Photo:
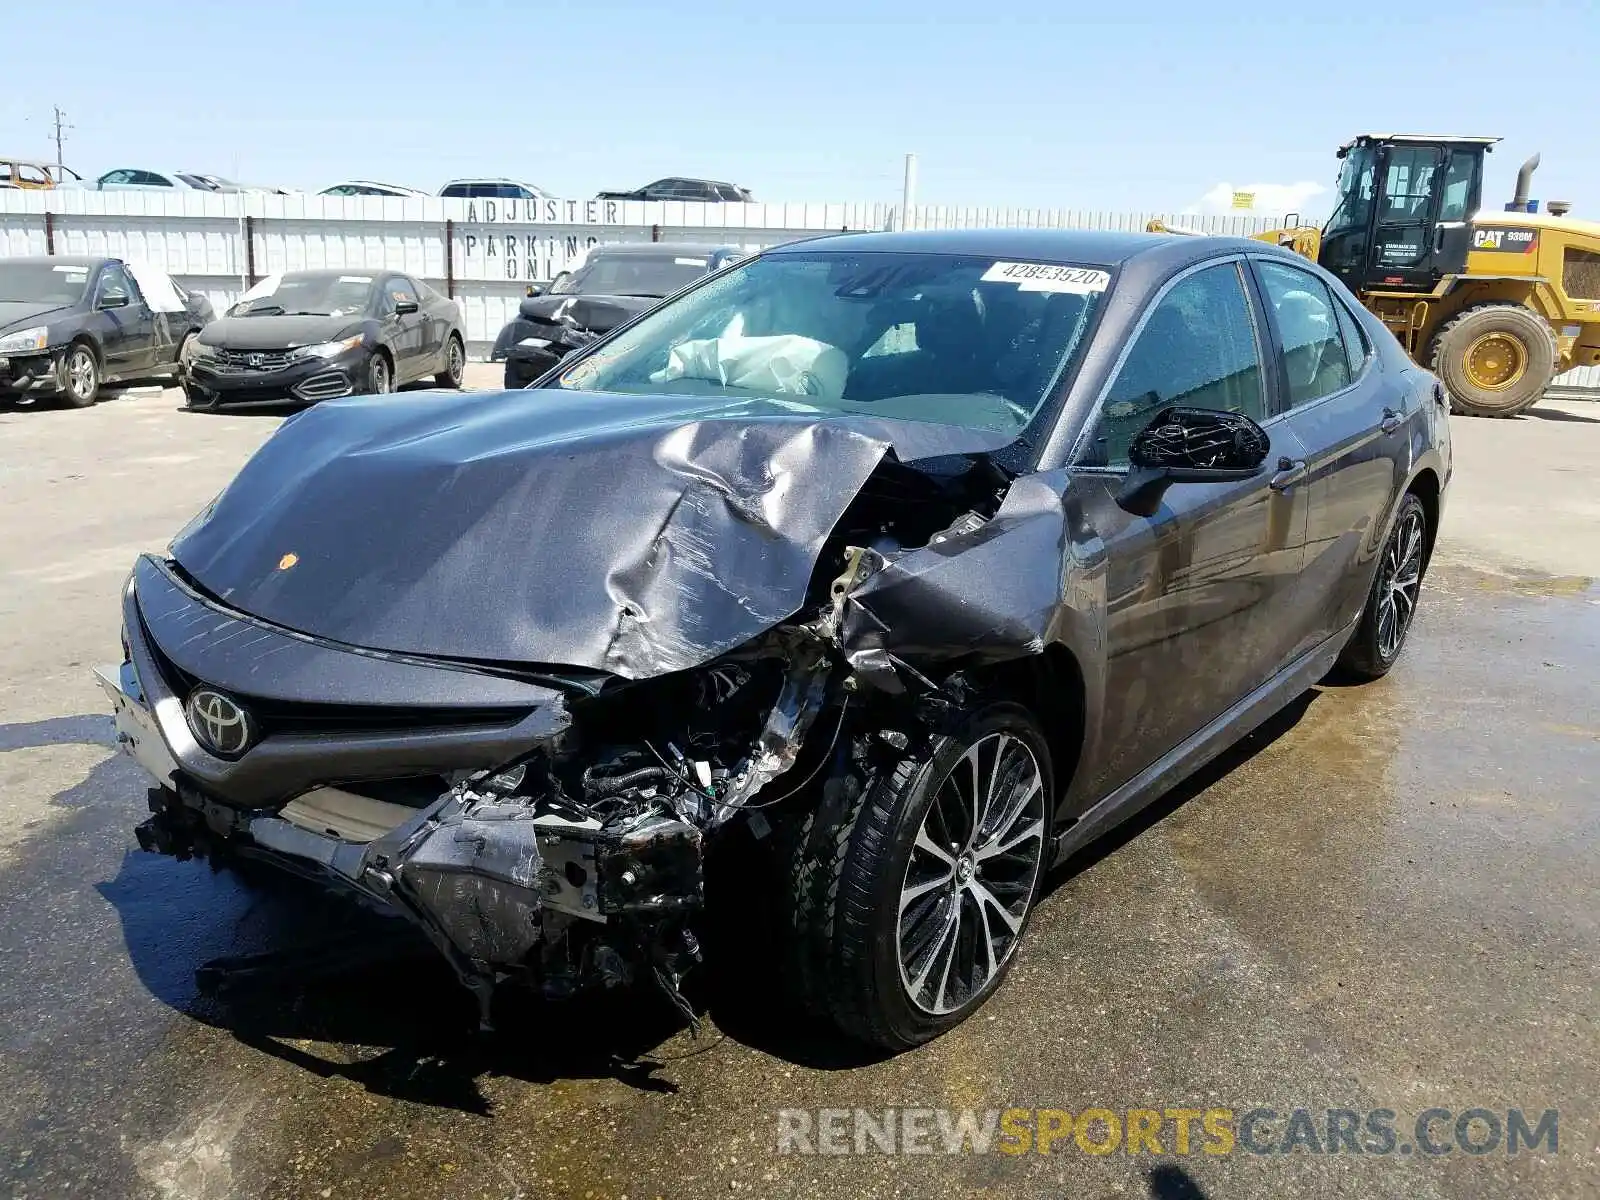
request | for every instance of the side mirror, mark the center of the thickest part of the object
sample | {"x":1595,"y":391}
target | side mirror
{"x":113,"y":300}
{"x":1190,"y":445}
{"x":534,"y":289}
{"x":403,"y":307}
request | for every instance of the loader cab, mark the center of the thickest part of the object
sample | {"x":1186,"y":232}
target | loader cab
{"x":1402,"y":218}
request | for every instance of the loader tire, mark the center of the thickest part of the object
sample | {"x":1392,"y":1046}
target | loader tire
{"x":1496,"y":360}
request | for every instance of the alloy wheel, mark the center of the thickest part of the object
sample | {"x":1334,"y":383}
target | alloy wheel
{"x":81,"y":373}
{"x":378,"y":375}
{"x":971,"y":875}
{"x":454,"y":366}
{"x":1398,"y":584}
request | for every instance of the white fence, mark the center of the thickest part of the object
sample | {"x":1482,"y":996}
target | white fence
{"x":482,"y":252}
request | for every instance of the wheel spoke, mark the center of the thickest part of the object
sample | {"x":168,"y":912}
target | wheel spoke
{"x":928,"y":846}
{"x":1016,"y":837}
{"x":951,"y":923}
{"x":987,"y":900}
{"x":922,"y":889}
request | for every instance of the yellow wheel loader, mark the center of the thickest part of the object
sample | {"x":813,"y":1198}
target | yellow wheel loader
{"x":1494,"y":303}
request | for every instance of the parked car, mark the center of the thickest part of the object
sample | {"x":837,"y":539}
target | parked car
{"x":615,"y":284}
{"x":305,"y":336}
{"x":366,"y":187}
{"x":893,"y":567}
{"x":494,"y":189}
{"x":32,"y":174}
{"x":675,"y":188}
{"x":70,"y":325}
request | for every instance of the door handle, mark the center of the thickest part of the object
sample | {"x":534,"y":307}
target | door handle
{"x":1290,"y":472}
{"x":1391,"y":420}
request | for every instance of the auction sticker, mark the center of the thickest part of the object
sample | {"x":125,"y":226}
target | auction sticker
{"x":1048,"y":277}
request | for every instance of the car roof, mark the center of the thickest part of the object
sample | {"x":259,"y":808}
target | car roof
{"x":58,"y":260}
{"x":335,"y":272}
{"x":1097,"y":247}
{"x":646,"y":249}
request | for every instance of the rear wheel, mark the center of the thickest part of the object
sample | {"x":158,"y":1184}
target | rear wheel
{"x":1495,"y":359}
{"x":455,"y":364}
{"x":82,"y":371}
{"x":906,"y":902}
{"x":1392,"y":603}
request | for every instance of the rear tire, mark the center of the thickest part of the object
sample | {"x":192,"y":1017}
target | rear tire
{"x":1495,"y":359}
{"x":889,"y":932}
{"x":1380,"y":635}
{"x":455,"y":364}
{"x":82,"y":376}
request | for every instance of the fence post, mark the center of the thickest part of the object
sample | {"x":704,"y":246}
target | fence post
{"x":250,"y":250}
{"x":655,"y":233}
{"x":450,"y":257}
{"x":49,"y":232}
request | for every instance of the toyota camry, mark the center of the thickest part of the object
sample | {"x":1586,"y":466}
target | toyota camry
{"x":904,"y":564}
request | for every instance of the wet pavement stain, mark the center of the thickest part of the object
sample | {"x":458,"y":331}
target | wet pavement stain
{"x":1385,"y":897}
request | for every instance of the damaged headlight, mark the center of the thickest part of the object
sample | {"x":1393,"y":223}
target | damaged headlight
{"x":25,"y":341}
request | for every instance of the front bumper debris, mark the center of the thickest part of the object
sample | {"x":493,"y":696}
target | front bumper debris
{"x":497,"y":875}
{"x":31,"y":375}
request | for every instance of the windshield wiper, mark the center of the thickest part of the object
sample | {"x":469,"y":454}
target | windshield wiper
{"x":302,"y":312}
{"x":263,"y":310}
{"x":646,"y":295}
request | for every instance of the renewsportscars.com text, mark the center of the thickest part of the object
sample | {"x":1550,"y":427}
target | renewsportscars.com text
{"x":1432,"y":1132}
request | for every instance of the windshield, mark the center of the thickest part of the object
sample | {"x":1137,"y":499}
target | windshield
{"x":310,"y":296}
{"x":633,"y":275}
{"x":1354,"y":205}
{"x":952,"y":339}
{"x":42,"y":283}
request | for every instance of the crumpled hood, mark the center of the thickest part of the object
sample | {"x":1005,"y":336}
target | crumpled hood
{"x":635,"y":535}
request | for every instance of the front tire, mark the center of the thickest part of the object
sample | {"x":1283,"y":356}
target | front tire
{"x":82,"y":372}
{"x":906,"y":903}
{"x":380,"y":378}
{"x":455,"y":364}
{"x":1380,"y":636}
{"x":1495,"y":359}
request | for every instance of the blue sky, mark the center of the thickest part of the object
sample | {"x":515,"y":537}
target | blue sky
{"x":1139,"y":104}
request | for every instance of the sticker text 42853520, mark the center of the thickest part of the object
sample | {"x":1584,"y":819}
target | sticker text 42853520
{"x":1048,"y":277}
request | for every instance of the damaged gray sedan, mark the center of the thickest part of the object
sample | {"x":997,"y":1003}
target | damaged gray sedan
{"x":907,"y":562}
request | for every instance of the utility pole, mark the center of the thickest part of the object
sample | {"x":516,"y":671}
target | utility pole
{"x":60,"y":134}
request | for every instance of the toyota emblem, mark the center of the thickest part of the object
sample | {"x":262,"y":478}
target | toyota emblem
{"x":218,"y":723}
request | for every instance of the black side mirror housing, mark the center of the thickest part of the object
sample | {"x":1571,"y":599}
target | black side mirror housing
{"x":403,"y":307}
{"x":1190,"y":445}
{"x":113,"y":300}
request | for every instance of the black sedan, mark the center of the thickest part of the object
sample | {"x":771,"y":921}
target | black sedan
{"x":890,"y":568}
{"x":70,"y":325}
{"x":306,"y":336}
{"x":615,"y":284}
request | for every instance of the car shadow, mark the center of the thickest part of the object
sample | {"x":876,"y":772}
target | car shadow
{"x":388,"y":988}
{"x":1171,"y":1182}
{"x":1561,"y":414}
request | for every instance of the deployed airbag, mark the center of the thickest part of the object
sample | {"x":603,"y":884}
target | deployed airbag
{"x":785,"y":364}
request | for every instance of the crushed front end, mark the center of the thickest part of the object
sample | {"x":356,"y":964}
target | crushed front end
{"x":543,"y":829}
